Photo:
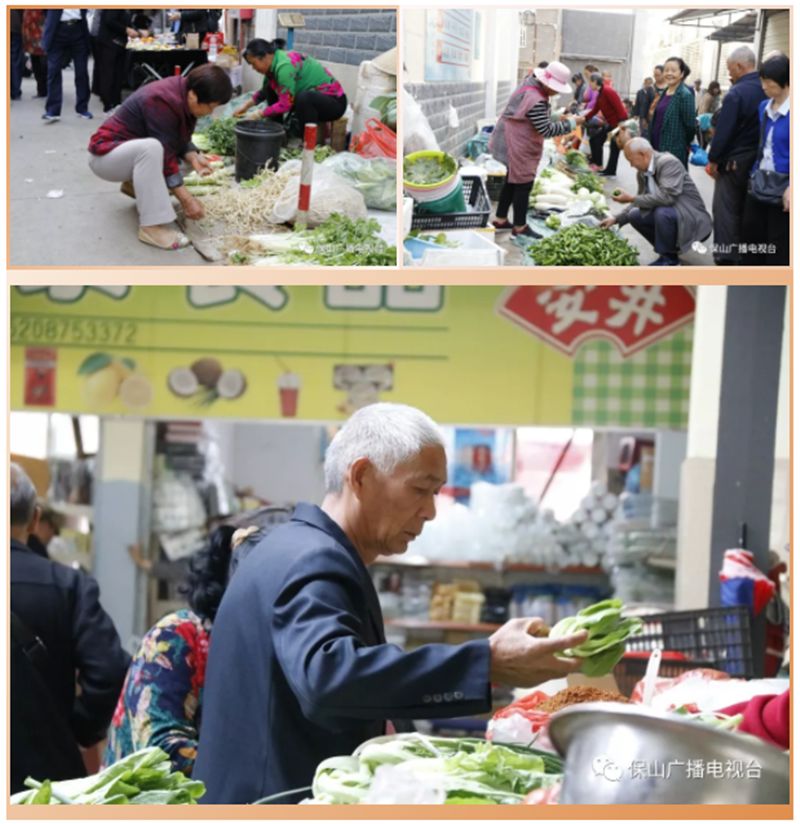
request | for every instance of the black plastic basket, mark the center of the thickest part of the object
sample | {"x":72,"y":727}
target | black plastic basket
{"x":717,"y":638}
{"x":477,"y":198}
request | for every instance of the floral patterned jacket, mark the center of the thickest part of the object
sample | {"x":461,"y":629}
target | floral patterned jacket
{"x":161,"y":700}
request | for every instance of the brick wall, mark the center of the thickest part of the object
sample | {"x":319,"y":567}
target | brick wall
{"x":349,"y":37}
{"x":435,"y":100}
{"x":504,"y":90}
{"x":469,"y":100}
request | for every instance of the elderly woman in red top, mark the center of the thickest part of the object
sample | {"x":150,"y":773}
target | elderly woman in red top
{"x":143,"y":143}
{"x":519,"y":136}
{"x":613,"y":109}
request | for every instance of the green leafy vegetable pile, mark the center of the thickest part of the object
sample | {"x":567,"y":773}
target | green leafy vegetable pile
{"x":387,"y":105}
{"x":587,"y":180}
{"x":469,"y":770}
{"x":581,"y":245}
{"x":576,"y":159}
{"x":608,"y":631}
{"x":296,"y":152}
{"x":343,"y":241}
{"x":145,"y":777}
{"x":429,"y":170}
{"x":220,"y":136}
{"x":553,"y":222}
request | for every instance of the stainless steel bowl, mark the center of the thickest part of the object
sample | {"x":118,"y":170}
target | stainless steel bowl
{"x":620,"y":754}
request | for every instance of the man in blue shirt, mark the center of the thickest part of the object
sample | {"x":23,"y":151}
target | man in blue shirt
{"x":733,"y":152}
{"x":299,"y":669}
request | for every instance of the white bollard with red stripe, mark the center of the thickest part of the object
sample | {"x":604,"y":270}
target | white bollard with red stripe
{"x":306,"y":176}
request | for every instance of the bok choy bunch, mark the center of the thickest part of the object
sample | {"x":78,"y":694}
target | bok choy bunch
{"x":608,"y":632}
{"x":467,"y":770}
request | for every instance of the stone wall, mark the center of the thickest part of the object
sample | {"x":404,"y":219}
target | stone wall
{"x":344,"y":36}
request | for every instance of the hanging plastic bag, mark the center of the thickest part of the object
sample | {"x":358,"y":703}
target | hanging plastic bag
{"x":418,"y":135}
{"x":375,"y":178}
{"x":742,"y":583}
{"x":699,"y":157}
{"x":376,"y":140}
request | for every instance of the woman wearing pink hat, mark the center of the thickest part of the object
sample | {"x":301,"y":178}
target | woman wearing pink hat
{"x":519,"y":136}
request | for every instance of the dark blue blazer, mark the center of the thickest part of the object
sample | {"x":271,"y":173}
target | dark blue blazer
{"x":299,"y":668}
{"x":737,"y":132}
{"x":51,"y":21}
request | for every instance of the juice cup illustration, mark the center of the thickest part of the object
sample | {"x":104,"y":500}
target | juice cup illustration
{"x":289,"y":391}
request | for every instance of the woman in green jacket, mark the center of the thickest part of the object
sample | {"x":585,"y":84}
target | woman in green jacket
{"x":293,"y":82}
{"x":674,"y":122}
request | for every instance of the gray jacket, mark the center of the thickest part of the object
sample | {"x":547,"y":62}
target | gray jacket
{"x":673,"y":187}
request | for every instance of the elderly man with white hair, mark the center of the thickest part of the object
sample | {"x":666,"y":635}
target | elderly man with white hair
{"x":299,"y":668}
{"x":733,"y":152}
{"x":667,"y":209}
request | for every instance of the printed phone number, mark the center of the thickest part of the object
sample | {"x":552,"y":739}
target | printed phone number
{"x":72,"y":330}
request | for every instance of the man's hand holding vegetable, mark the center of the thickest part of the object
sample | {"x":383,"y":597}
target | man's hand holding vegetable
{"x":519,"y":658}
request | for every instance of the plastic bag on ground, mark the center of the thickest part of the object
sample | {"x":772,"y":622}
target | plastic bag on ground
{"x":329,"y":195}
{"x":375,"y":178}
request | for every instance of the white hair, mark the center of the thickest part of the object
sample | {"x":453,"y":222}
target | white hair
{"x":744,"y":55}
{"x":23,"y":496}
{"x":639,"y":144}
{"x":388,"y":434}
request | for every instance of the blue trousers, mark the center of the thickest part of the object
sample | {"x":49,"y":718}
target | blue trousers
{"x":70,"y":41}
{"x":17,"y":59}
{"x":659,"y":226}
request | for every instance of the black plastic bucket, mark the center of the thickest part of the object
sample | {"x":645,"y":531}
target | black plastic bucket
{"x":258,"y":144}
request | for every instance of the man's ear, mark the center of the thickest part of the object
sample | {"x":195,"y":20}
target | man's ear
{"x":37,"y":514}
{"x":358,"y":474}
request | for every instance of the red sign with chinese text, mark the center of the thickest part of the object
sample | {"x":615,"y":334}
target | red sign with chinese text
{"x":631,"y":317}
{"x":40,"y":376}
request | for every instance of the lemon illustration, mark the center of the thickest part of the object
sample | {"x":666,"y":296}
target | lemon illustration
{"x":121,"y":369}
{"x":101,"y":387}
{"x":136,"y":391}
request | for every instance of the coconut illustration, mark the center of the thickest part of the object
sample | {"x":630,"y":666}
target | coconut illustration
{"x":182,"y":381}
{"x":136,"y":391}
{"x":208,"y":371}
{"x":231,"y":384}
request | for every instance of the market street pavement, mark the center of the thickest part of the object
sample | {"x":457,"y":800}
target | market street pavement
{"x":93,"y":223}
{"x":626,"y":180}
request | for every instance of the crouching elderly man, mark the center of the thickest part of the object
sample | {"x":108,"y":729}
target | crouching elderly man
{"x":299,"y":669}
{"x":667,"y":210}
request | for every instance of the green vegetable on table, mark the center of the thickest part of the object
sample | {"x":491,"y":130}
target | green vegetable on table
{"x":144,"y":777}
{"x":608,"y":632}
{"x":553,"y":222}
{"x":581,"y":245}
{"x":616,"y":192}
{"x":469,"y":770}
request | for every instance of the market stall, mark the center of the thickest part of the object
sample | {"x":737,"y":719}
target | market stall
{"x":567,"y":204}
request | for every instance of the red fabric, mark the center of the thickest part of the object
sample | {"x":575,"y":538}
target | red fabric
{"x":766,"y":716}
{"x":611,"y":105}
{"x":158,"y":110}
